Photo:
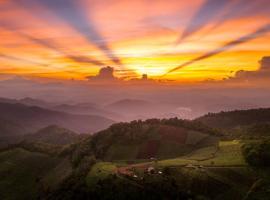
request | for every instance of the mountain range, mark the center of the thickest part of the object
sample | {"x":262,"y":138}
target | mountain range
{"x":32,"y":118}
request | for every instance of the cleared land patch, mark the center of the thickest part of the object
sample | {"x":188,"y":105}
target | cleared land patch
{"x":100,"y":171}
{"x":228,"y":154}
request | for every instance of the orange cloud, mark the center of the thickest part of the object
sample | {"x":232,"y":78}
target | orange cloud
{"x":140,"y":33}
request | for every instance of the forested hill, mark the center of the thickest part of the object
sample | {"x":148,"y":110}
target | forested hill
{"x":151,"y":138}
{"x":233,"y":119}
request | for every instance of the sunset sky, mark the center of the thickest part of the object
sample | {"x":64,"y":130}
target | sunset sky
{"x":73,"y":39}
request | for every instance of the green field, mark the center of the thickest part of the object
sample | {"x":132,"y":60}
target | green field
{"x":225,"y":154}
{"x":228,"y":153}
{"x":100,"y":171}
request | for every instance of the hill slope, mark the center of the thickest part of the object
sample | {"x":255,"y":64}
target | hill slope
{"x":150,"y":138}
{"x":9,"y":128}
{"x":53,"y":135}
{"x":10,"y":132}
{"x":33,"y":118}
{"x":20,"y":172}
{"x":236,"y":118}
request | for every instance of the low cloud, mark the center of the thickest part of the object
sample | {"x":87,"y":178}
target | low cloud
{"x":105,"y":74}
{"x":262,"y":74}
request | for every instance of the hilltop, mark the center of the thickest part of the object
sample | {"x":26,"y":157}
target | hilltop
{"x":150,"y":138}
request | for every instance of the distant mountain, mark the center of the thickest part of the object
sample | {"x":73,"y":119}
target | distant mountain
{"x":35,"y":102}
{"x":6,"y":100}
{"x":10,"y":132}
{"x":140,"y":109}
{"x":29,"y":102}
{"x":10,"y":128}
{"x":87,"y":109}
{"x":133,"y":104}
{"x":54,"y":135}
{"x":78,"y":109}
{"x":33,"y":118}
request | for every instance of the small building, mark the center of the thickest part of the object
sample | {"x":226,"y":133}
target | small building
{"x":150,"y":170}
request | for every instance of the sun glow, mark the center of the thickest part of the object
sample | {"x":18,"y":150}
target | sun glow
{"x":143,"y":42}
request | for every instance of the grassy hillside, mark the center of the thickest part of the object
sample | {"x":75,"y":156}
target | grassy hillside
{"x":150,"y":138}
{"x":207,"y":173}
{"x":20,"y":171}
{"x":227,"y":153}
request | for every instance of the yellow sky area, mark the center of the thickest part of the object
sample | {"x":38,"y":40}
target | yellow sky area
{"x":156,"y":56}
{"x":219,"y":67}
{"x":143,"y":45}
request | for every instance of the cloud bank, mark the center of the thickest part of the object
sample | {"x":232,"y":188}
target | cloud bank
{"x":262,"y":74}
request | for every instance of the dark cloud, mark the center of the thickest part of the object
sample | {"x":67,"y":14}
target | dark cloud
{"x":105,"y":74}
{"x":259,"y":32}
{"x":265,"y":63}
{"x":262,"y":74}
{"x":72,"y":13}
{"x":84,"y":59}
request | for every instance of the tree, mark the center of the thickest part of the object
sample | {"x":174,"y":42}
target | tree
{"x":257,"y":154}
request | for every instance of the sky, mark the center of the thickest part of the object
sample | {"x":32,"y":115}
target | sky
{"x":171,"y":41}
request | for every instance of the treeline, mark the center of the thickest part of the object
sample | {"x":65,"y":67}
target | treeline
{"x":231,"y":119}
{"x":257,"y":155}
